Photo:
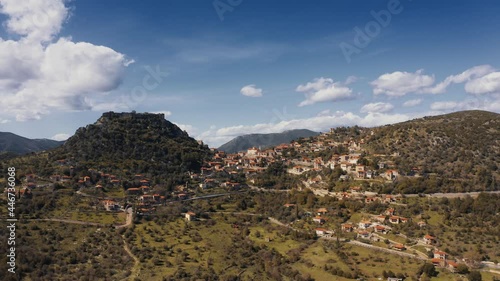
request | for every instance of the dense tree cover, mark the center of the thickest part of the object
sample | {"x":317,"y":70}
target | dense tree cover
{"x":482,"y":211}
{"x":243,"y":253}
{"x":462,"y":145}
{"x":52,"y":251}
{"x":474,"y":276}
{"x":275,"y":176}
{"x":428,"y":269}
{"x":433,"y":184}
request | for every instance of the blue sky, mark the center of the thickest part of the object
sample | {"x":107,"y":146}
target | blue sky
{"x":224,"y":68}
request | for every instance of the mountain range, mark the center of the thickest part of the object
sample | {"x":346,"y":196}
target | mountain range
{"x":12,"y":144}
{"x":264,"y":140}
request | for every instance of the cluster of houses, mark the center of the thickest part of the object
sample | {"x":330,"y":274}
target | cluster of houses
{"x":28,"y":186}
{"x":255,"y":160}
{"x":348,"y":163}
{"x":249,"y":162}
{"x":97,"y":180}
{"x":367,"y":228}
{"x":377,"y":224}
{"x":440,"y":259}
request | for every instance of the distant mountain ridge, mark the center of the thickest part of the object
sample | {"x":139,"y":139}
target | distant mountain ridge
{"x":264,"y":140}
{"x":16,"y":145}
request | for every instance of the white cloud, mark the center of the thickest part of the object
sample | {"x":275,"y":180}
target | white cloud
{"x":351,"y":79}
{"x":470,"y":104}
{"x":251,"y":91}
{"x":216,"y":48}
{"x":401,"y":83}
{"x":321,"y":123}
{"x":36,"y":21}
{"x":479,"y":79}
{"x":411,"y":103}
{"x":39,"y":73}
{"x":467,"y":75}
{"x":60,"y":137}
{"x":324,"y":90}
{"x":444,"y":105}
{"x":489,"y":83}
{"x":325,"y":112}
{"x":379,"y":107}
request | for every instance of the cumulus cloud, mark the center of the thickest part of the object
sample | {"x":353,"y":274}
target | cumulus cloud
{"x":401,"y":83}
{"x":37,"y":21}
{"x":40,"y":73}
{"x":379,"y":107}
{"x":320,"y":123}
{"x":489,"y":83}
{"x":251,"y":91}
{"x":467,"y":75}
{"x":324,"y":90}
{"x":481,"y":79}
{"x":411,"y":103}
{"x":60,"y":137}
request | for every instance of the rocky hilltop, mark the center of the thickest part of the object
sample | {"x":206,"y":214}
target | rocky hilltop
{"x":137,"y":141}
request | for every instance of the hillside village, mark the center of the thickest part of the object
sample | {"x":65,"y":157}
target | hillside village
{"x":307,"y":160}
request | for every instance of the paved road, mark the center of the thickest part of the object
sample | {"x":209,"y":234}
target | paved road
{"x":253,"y":187}
{"x":453,"y":195}
{"x":70,"y":221}
{"x":322,"y":192}
{"x":128,"y":221}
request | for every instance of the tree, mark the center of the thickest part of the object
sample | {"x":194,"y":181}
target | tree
{"x":462,"y":269}
{"x":474,"y":276}
{"x":400,"y":276}
{"x":429,"y":270}
{"x":241,"y":205}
